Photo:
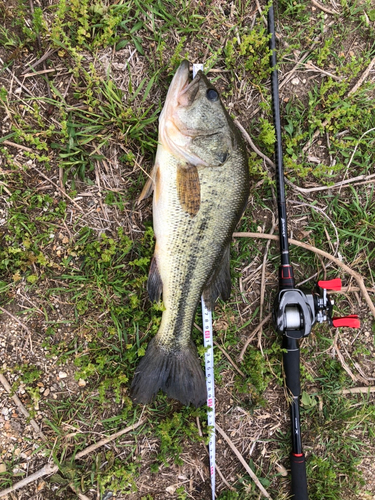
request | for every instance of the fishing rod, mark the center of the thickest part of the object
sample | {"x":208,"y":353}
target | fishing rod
{"x":295,"y":310}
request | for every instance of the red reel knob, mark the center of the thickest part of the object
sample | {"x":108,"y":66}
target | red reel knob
{"x":351,"y":321}
{"x":334,"y":284}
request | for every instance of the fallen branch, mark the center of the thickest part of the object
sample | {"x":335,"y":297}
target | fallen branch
{"x":243,"y":462}
{"x":51,"y":469}
{"x":306,"y":246}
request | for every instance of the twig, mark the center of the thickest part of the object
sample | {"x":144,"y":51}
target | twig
{"x":104,"y":441}
{"x":19,"y":146}
{"x":343,"y":362}
{"x":58,"y":187}
{"x":363,"y":77}
{"x":320,"y":210}
{"x":334,"y":186}
{"x":216,"y":466}
{"x":51,"y":469}
{"x":253,"y":335}
{"x":243,"y":462}
{"x":36,"y":73}
{"x":39,"y":42}
{"x":47,"y":470}
{"x":354,"y":89}
{"x":343,"y":183}
{"x":355,"y":149}
{"x":16,"y":79}
{"x":309,"y":66}
{"x":252,"y":145}
{"x":357,"y":390}
{"x":230,"y":359}
{"x":323,"y":8}
{"x":338,"y":262}
{"x":43,"y":58}
{"x":21,"y":407}
{"x":15,"y":319}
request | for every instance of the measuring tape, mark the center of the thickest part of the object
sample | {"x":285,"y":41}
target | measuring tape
{"x":209,"y":363}
{"x":210,"y":384}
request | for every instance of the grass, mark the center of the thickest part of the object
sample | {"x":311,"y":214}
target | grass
{"x":76,"y":276}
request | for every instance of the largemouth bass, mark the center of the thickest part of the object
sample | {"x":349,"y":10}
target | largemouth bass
{"x":201,"y":185}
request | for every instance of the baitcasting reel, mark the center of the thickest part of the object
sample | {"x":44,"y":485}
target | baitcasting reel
{"x":296,"y":310}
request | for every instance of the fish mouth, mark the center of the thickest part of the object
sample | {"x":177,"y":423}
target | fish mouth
{"x":182,"y":90}
{"x":181,"y":93}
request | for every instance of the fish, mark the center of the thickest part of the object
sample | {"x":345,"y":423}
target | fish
{"x":200,"y":184}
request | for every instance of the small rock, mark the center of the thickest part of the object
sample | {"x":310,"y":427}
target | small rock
{"x":295,"y":81}
{"x":40,"y":486}
{"x":5,"y":411}
{"x":3,"y":467}
{"x":81,"y":382}
{"x":46,"y":392}
{"x":281,"y":470}
{"x":63,"y":374}
{"x":171,"y":489}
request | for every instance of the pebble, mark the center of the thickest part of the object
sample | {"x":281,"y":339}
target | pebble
{"x":81,"y":382}
{"x":3,"y":468}
{"x":171,"y":489}
{"x":63,"y":374}
{"x":281,"y":470}
{"x":295,"y":81}
{"x":5,"y":411}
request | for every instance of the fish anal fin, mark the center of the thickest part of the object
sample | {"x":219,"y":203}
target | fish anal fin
{"x":178,"y":373}
{"x":219,"y":285}
{"x":188,"y":189}
{"x":154,"y":282}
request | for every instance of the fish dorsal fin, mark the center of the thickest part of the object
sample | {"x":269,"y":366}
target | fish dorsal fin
{"x":150,"y":184}
{"x":219,"y":284}
{"x":188,"y":188}
{"x":154,"y":282}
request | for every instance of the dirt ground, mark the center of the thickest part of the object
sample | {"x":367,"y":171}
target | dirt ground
{"x":26,"y":318}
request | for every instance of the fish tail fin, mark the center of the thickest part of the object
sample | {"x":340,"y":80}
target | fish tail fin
{"x":177,"y":373}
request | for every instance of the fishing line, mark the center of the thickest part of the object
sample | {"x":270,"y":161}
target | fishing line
{"x":208,"y":343}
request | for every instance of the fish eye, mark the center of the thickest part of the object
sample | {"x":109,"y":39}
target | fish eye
{"x":212,"y":95}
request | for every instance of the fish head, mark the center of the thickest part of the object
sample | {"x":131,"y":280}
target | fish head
{"x":194,"y":125}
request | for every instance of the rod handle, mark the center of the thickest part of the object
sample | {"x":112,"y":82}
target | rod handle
{"x":291,"y":359}
{"x":299,"y":479}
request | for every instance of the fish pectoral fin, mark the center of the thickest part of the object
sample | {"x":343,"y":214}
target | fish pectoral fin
{"x":149,"y":186}
{"x":189,"y":189}
{"x":154,"y":282}
{"x":219,"y":285}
